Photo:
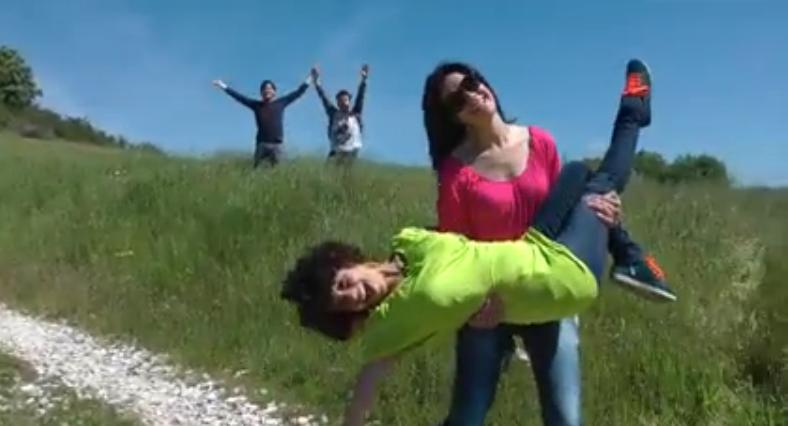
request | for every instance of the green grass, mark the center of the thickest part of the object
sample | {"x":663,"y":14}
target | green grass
{"x":186,"y":257}
{"x":18,"y":409}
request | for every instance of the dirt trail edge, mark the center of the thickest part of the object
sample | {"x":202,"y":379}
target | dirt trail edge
{"x":129,"y":378}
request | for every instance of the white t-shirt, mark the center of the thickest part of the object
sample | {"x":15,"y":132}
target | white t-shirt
{"x":345,"y":132}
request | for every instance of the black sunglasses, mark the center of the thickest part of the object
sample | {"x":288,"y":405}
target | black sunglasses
{"x":457,"y":99}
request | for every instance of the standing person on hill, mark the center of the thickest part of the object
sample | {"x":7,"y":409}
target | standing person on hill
{"x":269,"y":116}
{"x":345,"y":126}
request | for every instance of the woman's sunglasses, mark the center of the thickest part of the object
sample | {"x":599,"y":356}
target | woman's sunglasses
{"x":457,"y":99}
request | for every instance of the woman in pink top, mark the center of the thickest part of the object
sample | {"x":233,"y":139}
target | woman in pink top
{"x":492,"y":177}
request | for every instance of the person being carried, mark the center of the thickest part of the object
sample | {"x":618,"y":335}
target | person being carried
{"x":269,"y":116}
{"x":435,"y":281}
{"x":345,"y":125}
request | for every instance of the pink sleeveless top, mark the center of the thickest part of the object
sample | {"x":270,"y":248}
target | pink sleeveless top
{"x":489,"y":210}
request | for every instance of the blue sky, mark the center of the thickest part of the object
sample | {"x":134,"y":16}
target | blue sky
{"x":143,"y":68}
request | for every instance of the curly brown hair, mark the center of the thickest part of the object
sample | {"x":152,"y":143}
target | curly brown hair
{"x":308,"y":286}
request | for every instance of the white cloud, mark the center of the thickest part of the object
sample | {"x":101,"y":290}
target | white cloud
{"x":109,"y":65}
{"x":57,"y":95}
{"x":343,"y":43}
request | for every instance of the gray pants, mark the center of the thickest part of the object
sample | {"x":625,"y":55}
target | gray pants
{"x":343,"y":158}
{"x":268,"y":152}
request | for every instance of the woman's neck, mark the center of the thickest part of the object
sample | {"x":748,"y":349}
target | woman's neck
{"x":486,"y":134}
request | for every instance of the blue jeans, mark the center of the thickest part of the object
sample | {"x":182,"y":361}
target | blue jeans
{"x":553,"y":347}
{"x":554,"y":351}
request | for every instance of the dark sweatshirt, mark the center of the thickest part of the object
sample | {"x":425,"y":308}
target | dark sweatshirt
{"x":269,"y":115}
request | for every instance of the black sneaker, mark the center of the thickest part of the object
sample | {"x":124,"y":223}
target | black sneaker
{"x":644,"y":277}
{"x":637,"y":91}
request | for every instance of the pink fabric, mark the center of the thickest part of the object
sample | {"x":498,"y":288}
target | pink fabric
{"x":488,"y":210}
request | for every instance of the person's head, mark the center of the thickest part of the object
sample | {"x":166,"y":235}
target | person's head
{"x":334,"y":286}
{"x":343,"y":98}
{"x":267,"y":90}
{"x":456,"y":97}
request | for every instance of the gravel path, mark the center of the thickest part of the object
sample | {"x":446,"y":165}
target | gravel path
{"x":127,"y":377}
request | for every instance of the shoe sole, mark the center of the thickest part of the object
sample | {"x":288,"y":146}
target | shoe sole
{"x":650,"y":80}
{"x":644,"y":289}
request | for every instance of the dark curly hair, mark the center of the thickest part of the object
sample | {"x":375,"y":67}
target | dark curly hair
{"x":444,"y":131}
{"x":308,"y":286}
{"x":265,"y":82}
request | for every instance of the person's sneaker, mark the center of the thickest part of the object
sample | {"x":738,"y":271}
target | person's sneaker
{"x":521,"y":354}
{"x":638,"y":79}
{"x":515,"y":351}
{"x":637,"y":90}
{"x":646,"y":278}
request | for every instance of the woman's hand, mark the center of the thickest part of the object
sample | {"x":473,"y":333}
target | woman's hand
{"x":606,"y":206}
{"x":489,"y":315}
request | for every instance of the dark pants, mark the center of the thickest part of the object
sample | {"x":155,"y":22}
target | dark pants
{"x":553,"y":347}
{"x":565,"y":219}
{"x":612,"y":176}
{"x":269,"y":152}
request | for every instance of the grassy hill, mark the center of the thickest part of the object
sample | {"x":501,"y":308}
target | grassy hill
{"x":185,"y":256}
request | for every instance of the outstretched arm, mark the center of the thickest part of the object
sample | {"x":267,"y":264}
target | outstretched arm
{"x":364,"y":392}
{"x":327,"y":105}
{"x":248,"y":102}
{"x":295,"y":94}
{"x":362,"y":89}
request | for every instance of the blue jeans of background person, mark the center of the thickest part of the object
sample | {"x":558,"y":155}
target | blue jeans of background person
{"x":553,"y":347}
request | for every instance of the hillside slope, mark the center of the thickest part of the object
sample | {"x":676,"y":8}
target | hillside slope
{"x":186,"y":256}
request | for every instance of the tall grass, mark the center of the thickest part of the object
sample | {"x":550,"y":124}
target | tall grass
{"x":186,"y":257}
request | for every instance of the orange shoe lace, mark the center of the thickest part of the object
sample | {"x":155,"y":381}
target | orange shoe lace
{"x":635,"y":86}
{"x":651,"y":263}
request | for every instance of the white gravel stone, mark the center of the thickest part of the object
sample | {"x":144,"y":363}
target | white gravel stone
{"x":126,"y":377}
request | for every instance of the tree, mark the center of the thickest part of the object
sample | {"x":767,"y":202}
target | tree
{"x":648,"y":164}
{"x":685,"y":168}
{"x":18,"y":89}
{"x":688,"y":168}
{"x":651,"y":165}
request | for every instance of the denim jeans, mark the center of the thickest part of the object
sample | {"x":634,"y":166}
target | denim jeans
{"x":553,"y":347}
{"x":554,"y":352}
